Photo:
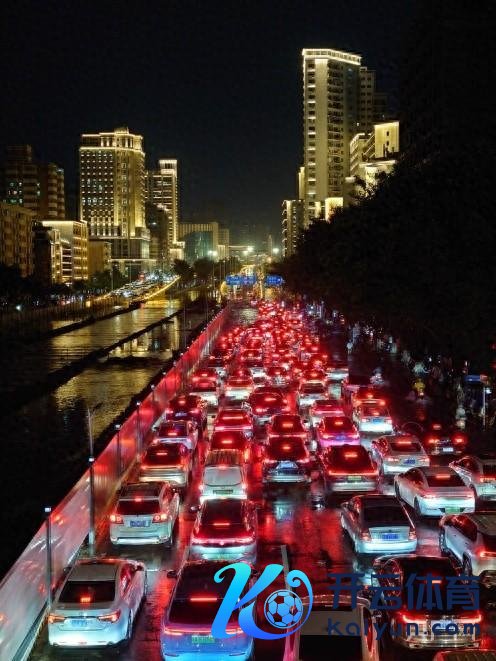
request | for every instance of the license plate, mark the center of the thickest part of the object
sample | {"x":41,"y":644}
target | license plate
{"x":287,"y":465}
{"x":202,"y":640}
{"x":181,"y":415}
{"x":223,"y":491}
{"x":138,"y":524}
{"x":409,"y":461}
{"x":452,"y":510}
{"x":354,"y":478}
{"x":79,"y":623}
{"x":388,"y":536}
{"x":447,"y":449}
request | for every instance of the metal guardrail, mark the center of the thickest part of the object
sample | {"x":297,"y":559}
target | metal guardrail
{"x":23,"y":591}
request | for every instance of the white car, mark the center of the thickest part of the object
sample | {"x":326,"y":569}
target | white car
{"x":97,"y":603}
{"x":398,"y":453}
{"x":238,"y":388}
{"x":434,"y":491}
{"x":309,"y":393}
{"x":373,"y":418}
{"x":224,"y":476}
{"x":478,"y":473}
{"x":471,"y":538}
{"x":207,"y":389}
{"x":146,"y":513}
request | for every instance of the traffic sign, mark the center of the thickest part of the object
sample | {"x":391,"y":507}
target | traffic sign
{"x":241,"y":280}
{"x":274,"y":280}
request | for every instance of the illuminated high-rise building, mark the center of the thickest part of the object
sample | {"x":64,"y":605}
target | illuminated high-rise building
{"x":112,"y":194}
{"x":162,"y":190}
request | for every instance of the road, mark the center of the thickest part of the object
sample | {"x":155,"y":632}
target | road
{"x":292,"y":521}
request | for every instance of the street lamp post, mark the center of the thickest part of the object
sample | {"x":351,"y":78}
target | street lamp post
{"x":118,"y":458}
{"x":91,"y":466}
{"x":48,"y":542}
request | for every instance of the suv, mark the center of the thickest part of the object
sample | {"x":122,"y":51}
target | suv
{"x":471,"y":538}
{"x":181,"y":431}
{"x":144,"y":514}
{"x":347,"y":468}
{"x":188,"y":407}
{"x":478,"y":473}
{"x":170,"y":462}
{"x":224,"y":475}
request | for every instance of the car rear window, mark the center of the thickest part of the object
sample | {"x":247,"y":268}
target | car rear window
{"x":444,"y":480}
{"x":405,"y":446}
{"x":204,"y":386}
{"x":172,"y":429}
{"x":352,"y":459}
{"x":233,"y":417}
{"x":374,"y":411}
{"x":291,"y":448}
{"x":489,"y":470}
{"x":338,"y":424}
{"x":489,"y":542}
{"x":215,"y":510}
{"x":222,"y":475}
{"x":312,"y":388}
{"x":163,"y":455}
{"x":238,"y":381}
{"x":285,"y":424}
{"x":138,"y":506}
{"x":266,"y":399}
{"x":385,"y":515}
{"x":87,"y":592}
{"x":184,"y":402}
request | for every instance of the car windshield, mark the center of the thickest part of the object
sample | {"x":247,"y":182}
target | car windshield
{"x":138,"y":506}
{"x":405,"y":446}
{"x":163,"y":455}
{"x":444,"y":480}
{"x":385,"y":515}
{"x":281,"y":449}
{"x":338,"y":424}
{"x":87,"y":592}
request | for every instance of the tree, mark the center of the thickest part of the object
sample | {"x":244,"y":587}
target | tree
{"x":203,"y":268}
{"x":183,"y":270}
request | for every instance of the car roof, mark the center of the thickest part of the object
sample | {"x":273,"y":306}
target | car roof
{"x":96,"y":569}
{"x":377,"y":499}
{"x":146,"y":490}
{"x":435,"y":470}
{"x":485,"y":521}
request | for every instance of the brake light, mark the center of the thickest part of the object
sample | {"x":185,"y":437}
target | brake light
{"x":54,"y":619}
{"x":85,"y":599}
{"x":258,"y":409}
{"x":171,"y":632}
{"x":111,"y":617}
{"x":432,"y":440}
{"x":287,"y":425}
{"x":172,"y":433}
{"x":194,"y":411}
{"x":412,"y":534}
{"x":442,"y":476}
{"x":221,"y":524}
{"x":116,"y":518}
{"x":365,"y":535}
{"x":138,"y":499}
{"x":406,"y":618}
{"x":403,"y":442}
{"x":436,"y":426}
{"x":486,"y":554}
{"x":350,"y":455}
{"x":159,"y":518}
{"x":203,"y":599}
{"x":227,"y":441}
{"x":338,"y":423}
{"x":169,"y":411}
{"x":286,"y":447}
{"x":458,"y":440}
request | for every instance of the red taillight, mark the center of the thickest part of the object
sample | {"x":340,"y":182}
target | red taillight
{"x":203,"y":599}
{"x":365,"y":535}
{"x":432,"y":440}
{"x":407,"y":618}
{"x":171,"y":632}
{"x":258,"y":409}
{"x":486,"y":554}
{"x":116,"y":518}
{"x":194,"y":411}
{"x":221,"y":524}
{"x":160,"y":518}
{"x":55,"y":619}
{"x":350,"y":455}
{"x":111,"y":617}
{"x":85,"y":599}
{"x":412,"y":534}
{"x":459,"y":440}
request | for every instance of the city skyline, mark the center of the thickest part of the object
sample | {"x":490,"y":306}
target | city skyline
{"x":212,"y":123}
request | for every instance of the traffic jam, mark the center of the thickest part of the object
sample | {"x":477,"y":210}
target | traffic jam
{"x":282,"y":448}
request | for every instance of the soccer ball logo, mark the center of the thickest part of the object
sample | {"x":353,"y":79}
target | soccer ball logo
{"x":283,"y":609}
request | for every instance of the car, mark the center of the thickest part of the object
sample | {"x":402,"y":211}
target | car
{"x":170,"y":462}
{"x":225,"y":529}
{"x":378,"y":524}
{"x":368,"y":393}
{"x":439,"y":439}
{"x":286,"y":459}
{"x":188,"y":407}
{"x":398,"y":453}
{"x":287,"y":424}
{"x":207,"y":389}
{"x":373,"y":418}
{"x":217,"y":363}
{"x":337,"y":369}
{"x":232,"y":440}
{"x":425,"y":625}
{"x":265,"y":403}
{"x":434,"y":491}
{"x":314,"y":375}
{"x":308,"y":393}
{"x":465,"y":655}
{"x":336,"y":430}
{"x":183,"y":431}
{"x":234,"y":419}
{"x":350,"y":385}
{"x":238,"y":388}
{"x":97,"y":604}
{"x":185,"y":631}
{"x":479,"y":473}
{"x":224,"y":476}
{"x":471,"y":539}
{"x":324,"y":407}
{"x":209,"y":373}
{"x":145,"y":513}
{"x":347,"y":468}
{"x":278,"y":376}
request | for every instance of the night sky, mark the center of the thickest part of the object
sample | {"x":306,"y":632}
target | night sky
{"x":217,"y":85}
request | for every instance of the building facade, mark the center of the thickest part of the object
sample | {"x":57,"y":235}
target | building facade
{"x":99,"y":256}
{"x":16,"y":237}
{"x":31,"y":184}
{"x":162,"y":190}
{"x":201,"y":240}
{"x":112,"y":194}
{"x":158,"y":224}
{"x":47,"y":255}
{"x":292,"y":225}
{"x":74,"y":246}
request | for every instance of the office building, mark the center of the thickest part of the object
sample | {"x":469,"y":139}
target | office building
{"x":47,"y":255}
{"x":200,"y":240}
{"x":162,"y":190}
{"x":99,"y":256}
{"x":112,"y":195}
{"x":74,"y":242}
{"x":158,"y":224}
{"x":16,"y":237}
{"x":31,"y":184}
{"x":292,"y":225}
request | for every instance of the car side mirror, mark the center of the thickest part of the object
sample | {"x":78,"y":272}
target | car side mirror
{"x":172,"y":573}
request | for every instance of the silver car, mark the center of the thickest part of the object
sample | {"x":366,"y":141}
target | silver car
{"x":309,"y":393}
{"x":166,"y":462}
{"x":478,"y":473}
{"x":378,"y":524}
{"x":146,"y":513}
{"x":97,"y":603}
{"x":471,"y":538}
{"x":398,"y":453}
{"x":434,"y":491}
